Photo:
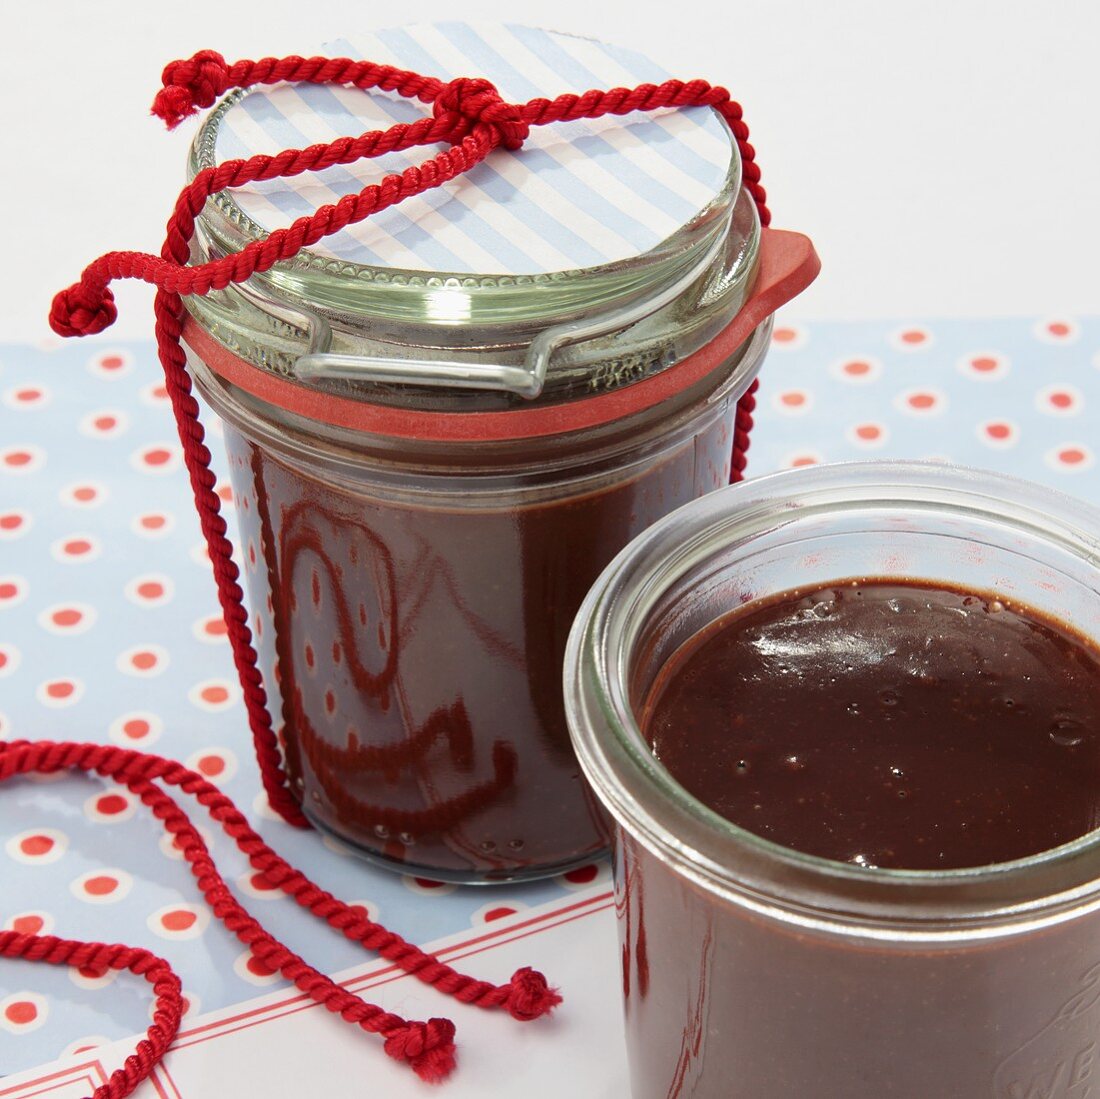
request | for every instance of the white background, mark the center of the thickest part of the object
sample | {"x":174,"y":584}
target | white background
{"x":945,"y":156}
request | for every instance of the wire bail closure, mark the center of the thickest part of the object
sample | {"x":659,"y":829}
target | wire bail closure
{"x":319,"y":364}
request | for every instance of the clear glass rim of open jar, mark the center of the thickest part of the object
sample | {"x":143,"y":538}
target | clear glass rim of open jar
{"x":733,"y":863}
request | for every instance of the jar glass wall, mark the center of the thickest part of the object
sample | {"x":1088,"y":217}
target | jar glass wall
{"x":412,"y":610}
{"x":795,"y":975}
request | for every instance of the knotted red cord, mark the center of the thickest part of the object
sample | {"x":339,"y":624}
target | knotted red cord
{"x":470,"y":116}
{"x":429,"y":1047}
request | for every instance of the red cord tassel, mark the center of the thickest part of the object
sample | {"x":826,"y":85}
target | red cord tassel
{"x":472,"y":119}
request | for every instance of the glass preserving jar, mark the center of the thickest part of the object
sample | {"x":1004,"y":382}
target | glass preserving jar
{"x":753,"y":969}
{"x":431,"y":465}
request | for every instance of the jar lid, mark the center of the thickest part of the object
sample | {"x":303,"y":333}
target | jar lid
{"x":600,"y":253}
{"x":579,"y":194}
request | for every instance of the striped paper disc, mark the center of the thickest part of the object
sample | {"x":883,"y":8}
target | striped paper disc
{"x":578,"y":194}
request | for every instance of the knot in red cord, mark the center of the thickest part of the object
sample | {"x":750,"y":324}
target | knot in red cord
{"x":428,"y":1047}
{"x":530,"y":996}
{"x":190,"y":84}
{"x":82,"y":311}
{"x":469,"y":100}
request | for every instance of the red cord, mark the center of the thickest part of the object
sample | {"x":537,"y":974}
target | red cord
{"x":103,"y":956}
{"x":429,"y":1047}
{"x":741,"y":428}
{"x":470,"y":116}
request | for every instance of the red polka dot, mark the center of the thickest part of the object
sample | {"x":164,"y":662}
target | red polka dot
{"x":28,"y":396}
{"x":60,"y":688}
{"x":21,"y":1012}
{"x":8,"y":590}
{"x":1059,"y":329}
{"x":153,"y":522}
{"x":857,"y":368}
{"x":150,"y":589}
{"x":105,"y":423}
{"x":136,"y":728}
{"x":1060,"y":399}
{"x":868,"y":432}
{"x":84,"y":493}
{"x":18,"y":458}
{"x":784,"y":335}
{"x":214,"y":695}
{"x":310,"y":659}
{"x":582,"y":875}
{"x":921,"y":401}
{"x":998,"y":431}
{"x":3,"y":659}
{"x":101,"y":885}
{"x":178,"y":920}
{"x":28,"y":925}
{"x":330,"y":702}
{"x":157,"y":456}
{"x":111,"y":804}
{"x":1072,"y":455}
{"x":11,"y":521}
{"x":211,"y":766}
{"x":499,"y":913}
{"x":112,"y":362}
{"x":793,"y":399}
{"x":215,"y":627}
{"x":802,"y":460}
{"x":76,"y":547}
{"x":226,"y":493}
{"x":66,"y":617}
{"x":159,"y":392}
{"x":36,"y":846}
{"x":258,"y":968}
{"x":912,"y":336}
{"x":428,"y":883}
{"x":984,"y":364}
{"x":144,"y":660}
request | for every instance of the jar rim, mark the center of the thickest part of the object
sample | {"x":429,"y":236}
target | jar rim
{"x":724,"y":858}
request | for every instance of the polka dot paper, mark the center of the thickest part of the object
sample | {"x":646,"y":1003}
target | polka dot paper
{"x":1009,"y":395}
{"x":110,"y":632}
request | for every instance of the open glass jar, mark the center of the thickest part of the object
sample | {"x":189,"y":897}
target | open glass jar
{"x":431,"y":466}
{"x":753,"y":969}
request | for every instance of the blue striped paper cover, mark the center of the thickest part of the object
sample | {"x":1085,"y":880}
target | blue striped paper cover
{"x":577,"y":195}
